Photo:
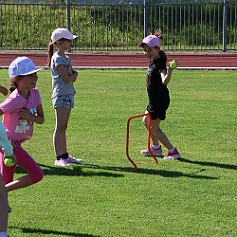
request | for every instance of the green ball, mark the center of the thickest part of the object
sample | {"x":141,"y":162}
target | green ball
{"x":9,"y":161}
{"x":173,"y":65}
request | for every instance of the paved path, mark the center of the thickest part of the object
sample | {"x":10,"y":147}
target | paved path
{"x":136,"y":60}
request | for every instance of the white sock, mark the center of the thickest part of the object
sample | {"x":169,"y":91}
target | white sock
{"x":156,"y":147}
{"x":3,"y":234}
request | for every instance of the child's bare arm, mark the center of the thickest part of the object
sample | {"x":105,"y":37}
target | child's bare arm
{"x":68,"y":76}
{"x":3,"y":90}
{"x":166,"y":76}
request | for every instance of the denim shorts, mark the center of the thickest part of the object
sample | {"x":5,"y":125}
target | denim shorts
{"x":66,"y":101}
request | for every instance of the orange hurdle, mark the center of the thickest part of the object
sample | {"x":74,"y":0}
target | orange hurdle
{"x":148,"y":142}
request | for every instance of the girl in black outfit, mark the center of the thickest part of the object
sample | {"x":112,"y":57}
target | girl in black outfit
{"x":157,"y":79}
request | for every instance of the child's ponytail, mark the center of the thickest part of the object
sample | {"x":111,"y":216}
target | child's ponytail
{"x":158,"y":33}
{"x":50,"y":53}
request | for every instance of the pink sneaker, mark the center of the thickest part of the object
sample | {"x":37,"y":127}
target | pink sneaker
{"x":172,"y":155}
{"x":62,"y":163}
{"x":72,"y":159}
{"x":155,"y":151}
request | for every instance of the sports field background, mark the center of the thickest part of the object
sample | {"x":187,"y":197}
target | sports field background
{"x":105,"y":196}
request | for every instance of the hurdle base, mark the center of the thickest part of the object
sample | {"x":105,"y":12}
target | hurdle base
{"x":148,"y":142}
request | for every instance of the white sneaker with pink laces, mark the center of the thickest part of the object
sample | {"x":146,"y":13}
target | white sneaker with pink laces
{"x":155,"y":151}
{"x":172,"y":155}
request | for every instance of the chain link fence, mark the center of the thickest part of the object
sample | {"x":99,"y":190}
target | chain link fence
{"x":120,"y":26}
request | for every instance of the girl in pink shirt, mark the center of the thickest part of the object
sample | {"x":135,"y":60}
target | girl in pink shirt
{"x":20,"y":110}
{"x":7,"y":148}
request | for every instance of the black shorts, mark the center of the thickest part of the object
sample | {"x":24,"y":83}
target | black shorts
{"x":158,"y":111}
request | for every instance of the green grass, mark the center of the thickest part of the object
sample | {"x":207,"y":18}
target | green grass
{"x":106,"y":197}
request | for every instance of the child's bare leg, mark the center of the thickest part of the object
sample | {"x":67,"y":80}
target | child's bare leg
{"x":22,"y":182}
{"x":155,"y":127}
{"x":59,"y":137}
{"x":154,"y":138}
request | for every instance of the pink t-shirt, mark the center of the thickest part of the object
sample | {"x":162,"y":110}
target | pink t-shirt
{"x":18,"y":129}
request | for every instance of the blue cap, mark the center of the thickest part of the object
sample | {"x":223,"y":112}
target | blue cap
{"x":22,"y":66}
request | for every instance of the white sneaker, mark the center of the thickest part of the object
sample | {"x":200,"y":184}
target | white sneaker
{"x":72,"y":159}
{"x":156,"y":152}
{"x":62,"y":163}
{"x":172,"y":155}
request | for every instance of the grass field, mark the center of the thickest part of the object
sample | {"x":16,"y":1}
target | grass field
{"x":106,"y":197}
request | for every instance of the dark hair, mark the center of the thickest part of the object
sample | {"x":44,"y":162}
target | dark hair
{"x":158,"y":33}
{"x":51,"y":50}
{"x":163,"y":55}
{"x":13,"y":83}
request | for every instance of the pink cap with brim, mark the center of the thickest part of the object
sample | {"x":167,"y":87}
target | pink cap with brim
{"x":62,"y":33}
{"x":151,"y":41}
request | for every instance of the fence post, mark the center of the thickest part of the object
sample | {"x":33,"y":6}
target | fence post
{"x":145,"y":18}
{"x":68,"y":17}
{"x":224,"y":25}
{"x":68,"y":14}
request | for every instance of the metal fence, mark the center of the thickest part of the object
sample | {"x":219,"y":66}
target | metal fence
{"x":187,"y":27}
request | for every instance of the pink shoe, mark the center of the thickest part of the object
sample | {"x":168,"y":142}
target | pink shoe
{"x":155,"y":151}
{"x":172,"y":155}
{"x":72,"y":159}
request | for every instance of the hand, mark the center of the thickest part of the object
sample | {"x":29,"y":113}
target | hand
{"x":75,"y":75}
{"x":173,"y":65}
{"x":69,"y":72}
{"x":12,"y":156}
{"x":3,"y":90}
{"x":75,"y":72}
{"x":25,"y":114}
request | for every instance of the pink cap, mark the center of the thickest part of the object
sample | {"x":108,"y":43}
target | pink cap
{"x":61,"y":33}
{"x":151,"y":41}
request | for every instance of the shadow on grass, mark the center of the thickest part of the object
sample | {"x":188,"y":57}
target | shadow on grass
{"x":76,"y":170}
{"x":213,"y":164}
{"x":164,"y":173}
{"x":53,"y":232}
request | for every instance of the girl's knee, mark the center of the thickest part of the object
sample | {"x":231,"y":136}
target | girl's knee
{"x":37,"y":176}
{"x":60,"y":129}
{"x":144,"y":121}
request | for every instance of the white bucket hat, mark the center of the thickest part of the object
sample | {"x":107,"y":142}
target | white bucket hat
{"x":22,"y":66}
{"x":61,"y":33}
